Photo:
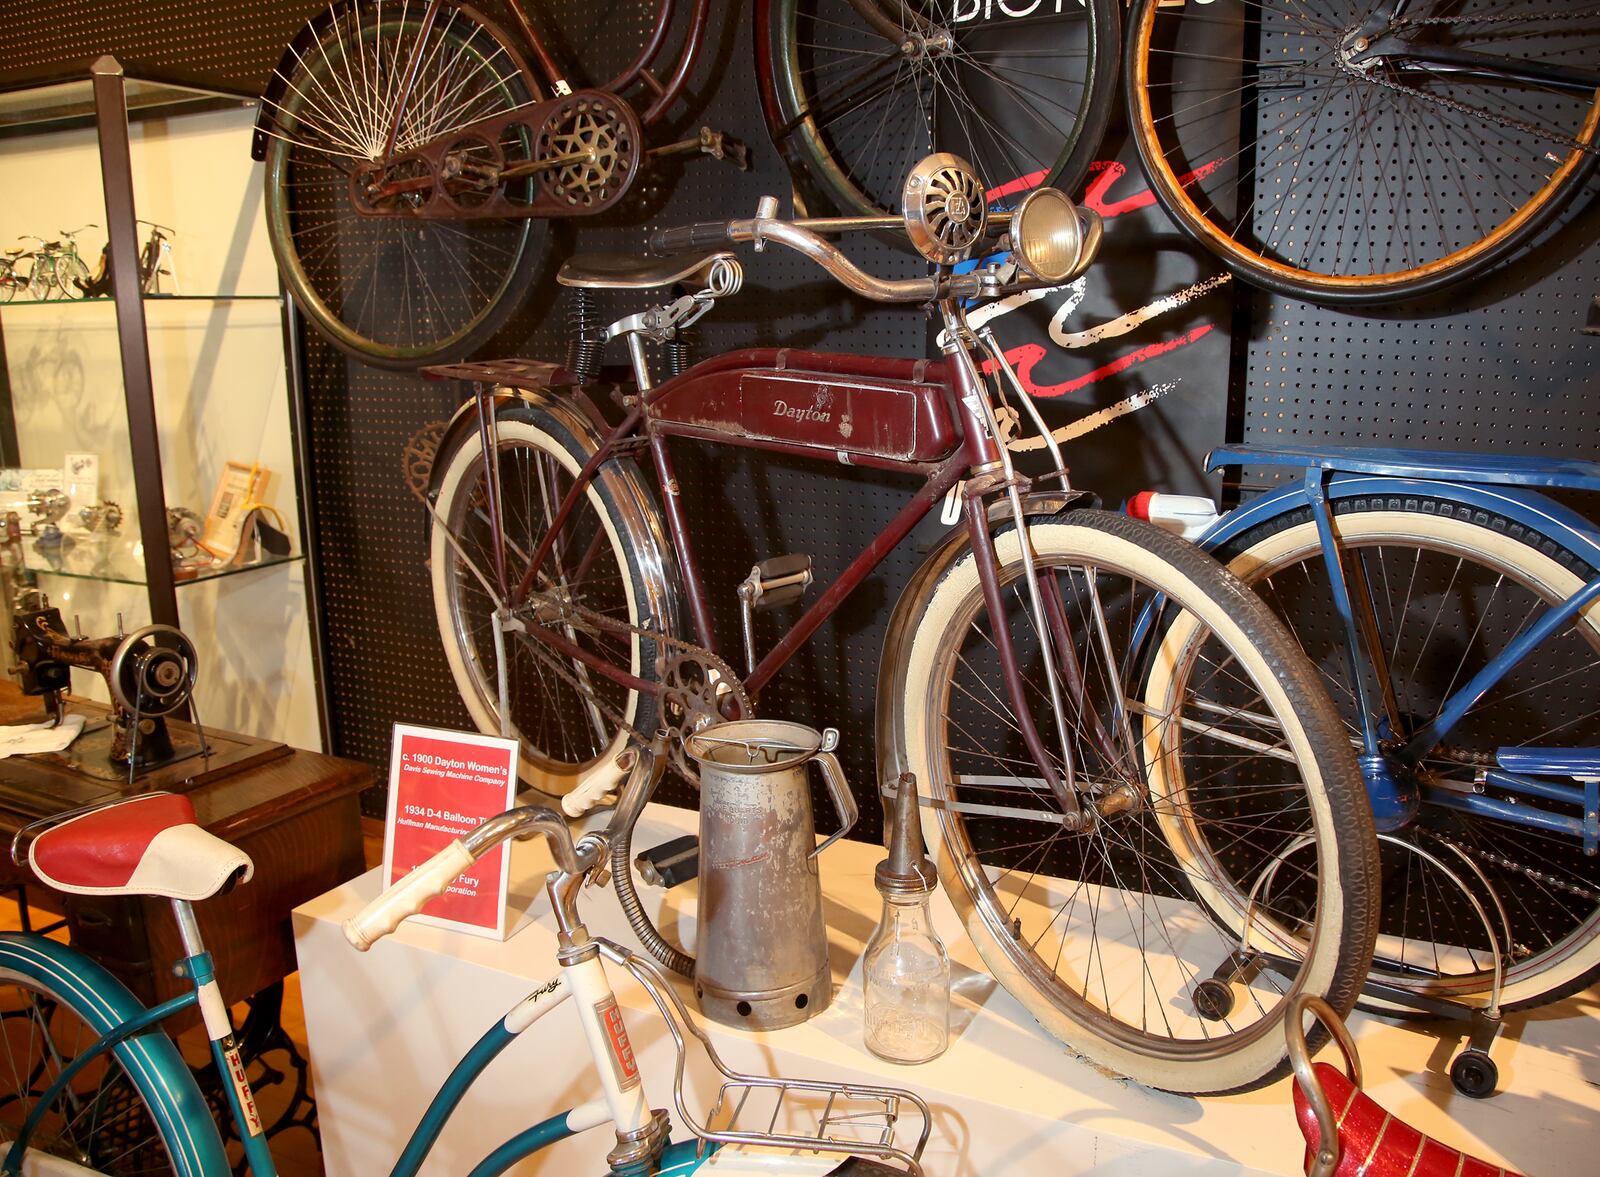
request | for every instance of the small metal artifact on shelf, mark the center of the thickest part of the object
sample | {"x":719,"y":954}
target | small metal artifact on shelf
{"x":106,"y":514}
{"x":48,"y":507}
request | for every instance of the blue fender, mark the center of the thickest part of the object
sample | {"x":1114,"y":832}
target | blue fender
{"x":151,"y":1059}
{"x":1530,"y":508}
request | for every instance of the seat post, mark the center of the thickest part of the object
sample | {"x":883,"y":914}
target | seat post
{"x":188,"y":927}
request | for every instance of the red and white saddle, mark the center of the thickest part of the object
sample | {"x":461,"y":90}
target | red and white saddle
{"x":144,"y":846}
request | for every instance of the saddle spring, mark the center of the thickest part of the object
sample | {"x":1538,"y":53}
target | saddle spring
{"x":585,"y":334}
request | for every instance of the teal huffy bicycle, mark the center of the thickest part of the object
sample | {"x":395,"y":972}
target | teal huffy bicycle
{"x":93,"y":1084}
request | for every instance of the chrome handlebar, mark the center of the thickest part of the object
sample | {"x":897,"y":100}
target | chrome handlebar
{"x":809,"y":237}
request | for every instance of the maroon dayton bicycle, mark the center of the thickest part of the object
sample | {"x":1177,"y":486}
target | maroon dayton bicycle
{"x":1128,"y":775}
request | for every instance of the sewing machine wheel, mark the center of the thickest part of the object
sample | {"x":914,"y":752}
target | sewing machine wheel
{"x":153,"y":671}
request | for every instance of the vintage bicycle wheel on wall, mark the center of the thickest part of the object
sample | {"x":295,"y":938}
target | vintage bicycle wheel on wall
{"x":386,"y":282}
{"x":856,"y":91}
{"x":1363,"y":151}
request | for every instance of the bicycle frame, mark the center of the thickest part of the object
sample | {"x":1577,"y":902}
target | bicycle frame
{"x":889,"y":414}
{"x":1498,"y":484}
{"x":1374,"y":41}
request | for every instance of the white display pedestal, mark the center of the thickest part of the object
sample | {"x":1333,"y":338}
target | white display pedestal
{"x":386,"y":1026}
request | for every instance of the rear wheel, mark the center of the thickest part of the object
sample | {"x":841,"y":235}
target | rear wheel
{"x":1231,"y":804}
{"x":395,"y":282}
{"x":857,"y":91}
{"x":1451,"y":585}
{"x":572,"y":719}
{"x":1329,"y":165}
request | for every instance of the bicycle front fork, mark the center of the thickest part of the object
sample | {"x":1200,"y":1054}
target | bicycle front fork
{"x":997,"y":474}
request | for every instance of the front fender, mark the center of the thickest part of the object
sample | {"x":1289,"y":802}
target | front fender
{"x":1519,"y":504}
{"x":151,"y":1059}
{"x":892,"y":760}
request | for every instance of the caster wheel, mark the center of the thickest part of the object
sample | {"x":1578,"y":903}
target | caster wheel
{"x":1213,"y":999}
{"x":1474,"y":1074}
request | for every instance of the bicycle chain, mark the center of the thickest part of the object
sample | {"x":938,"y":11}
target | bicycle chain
{"x":724,"y":671}
{"x":1463,"y":108}
{"x":1504,"y":863}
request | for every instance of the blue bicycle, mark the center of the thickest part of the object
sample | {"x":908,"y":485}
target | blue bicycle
{"x":1453,"y":608}
{"x":91,"y":1083}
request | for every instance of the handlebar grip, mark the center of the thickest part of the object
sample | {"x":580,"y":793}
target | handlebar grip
{"x":687,"y":237}
{"x":407,"y":897}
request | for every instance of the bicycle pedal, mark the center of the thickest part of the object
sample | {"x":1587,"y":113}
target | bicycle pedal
{"x":780,"y":580}
{"x":670,"y":863}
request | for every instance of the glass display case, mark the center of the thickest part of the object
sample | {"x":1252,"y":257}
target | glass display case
{"x":156,"y":389}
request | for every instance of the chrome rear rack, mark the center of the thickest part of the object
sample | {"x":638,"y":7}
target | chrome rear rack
{"x":855,"y":1119}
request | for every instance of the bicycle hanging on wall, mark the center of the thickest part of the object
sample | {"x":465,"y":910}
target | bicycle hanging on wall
{"x":1353,"y":152}
{"x":414,"y":150}
{"x":1104,"y":801}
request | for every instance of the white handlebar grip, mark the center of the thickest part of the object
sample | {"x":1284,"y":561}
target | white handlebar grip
{"x":407,"y":897}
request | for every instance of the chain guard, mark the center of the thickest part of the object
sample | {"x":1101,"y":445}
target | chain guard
{"x":497,"y":167}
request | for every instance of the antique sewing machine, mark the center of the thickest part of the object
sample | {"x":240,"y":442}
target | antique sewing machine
{"x":150,"y":674}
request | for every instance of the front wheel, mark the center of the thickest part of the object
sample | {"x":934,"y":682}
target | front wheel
{"x":1231,"y":805}
{"x":71,"y":277}
{"x":134,"y":1110}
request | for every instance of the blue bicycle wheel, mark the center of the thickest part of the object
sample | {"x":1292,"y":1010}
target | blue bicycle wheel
{"x":135,"y":1110}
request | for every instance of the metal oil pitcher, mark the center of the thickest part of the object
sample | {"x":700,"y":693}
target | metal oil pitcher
{"x":762,"y":948}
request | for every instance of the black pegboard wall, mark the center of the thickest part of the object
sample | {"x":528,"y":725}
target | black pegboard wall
{"x":1502,"y":364}
{"x":229,"y":44}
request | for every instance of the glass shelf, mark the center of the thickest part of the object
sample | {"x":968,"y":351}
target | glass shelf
{"x":116,"y":559}
{"x":148,"y":298}
{"x":63,"y":105}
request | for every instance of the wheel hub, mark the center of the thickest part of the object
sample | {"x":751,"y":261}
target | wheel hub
{"x":925,"y":46}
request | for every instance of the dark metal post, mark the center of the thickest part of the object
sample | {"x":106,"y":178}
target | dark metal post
{"x":116,"y":175}
{"x":300,"y":439}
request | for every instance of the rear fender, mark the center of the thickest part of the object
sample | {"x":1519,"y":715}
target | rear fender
{"x":575,"y":411}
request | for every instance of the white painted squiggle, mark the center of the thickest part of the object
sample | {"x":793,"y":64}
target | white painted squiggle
{"x":1123,"y":324}
{"x":1087,"y":424}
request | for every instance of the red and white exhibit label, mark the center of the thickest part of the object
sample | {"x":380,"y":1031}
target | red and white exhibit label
{"x":442,"y":786}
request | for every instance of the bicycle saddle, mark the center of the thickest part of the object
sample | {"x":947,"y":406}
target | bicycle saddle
{"x":626,"y":271}
{"x":144,"y":846}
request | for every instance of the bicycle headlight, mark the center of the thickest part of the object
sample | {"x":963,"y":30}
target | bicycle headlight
{"x":943,"y":203}
{"x":1046,"y":235}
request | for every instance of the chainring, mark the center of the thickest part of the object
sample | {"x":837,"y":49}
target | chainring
{"x":594,"y":128}
{"x":698,"y":684}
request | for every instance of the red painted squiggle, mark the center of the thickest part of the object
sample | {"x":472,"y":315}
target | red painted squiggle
{"x":1025,"y":357}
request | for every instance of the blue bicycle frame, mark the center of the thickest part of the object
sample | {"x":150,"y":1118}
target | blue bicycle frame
{"x":1506,"y":485}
